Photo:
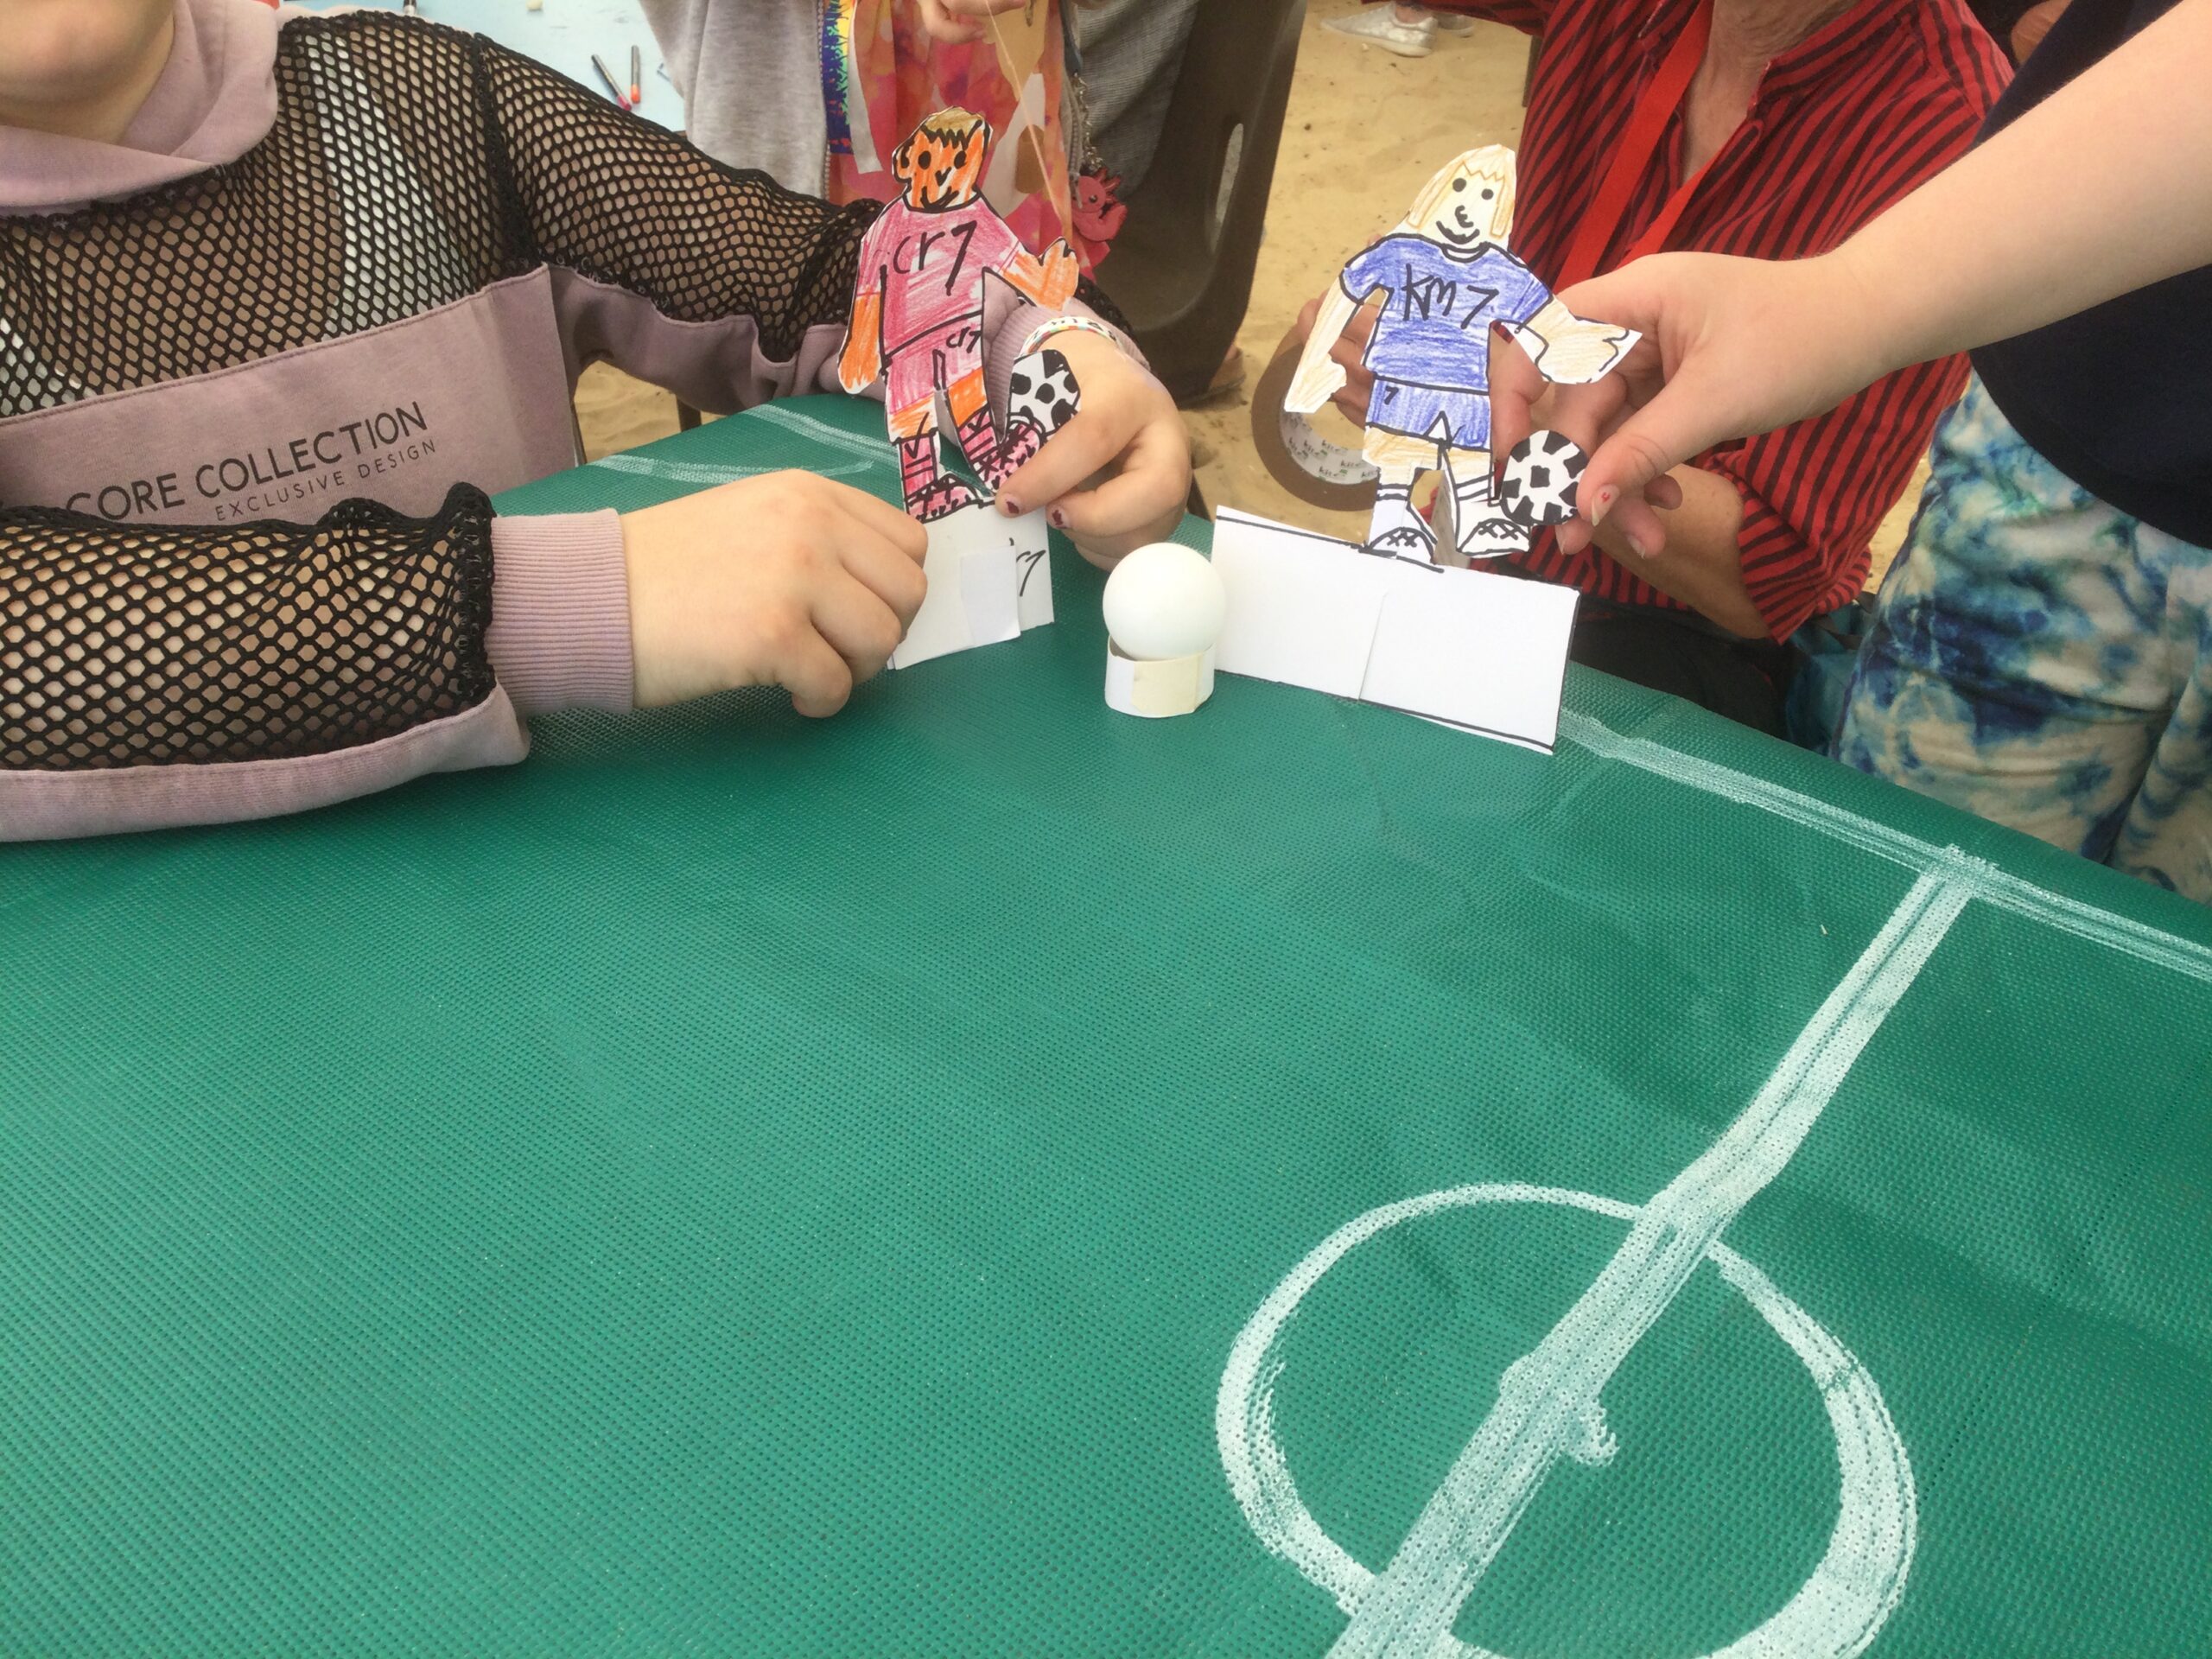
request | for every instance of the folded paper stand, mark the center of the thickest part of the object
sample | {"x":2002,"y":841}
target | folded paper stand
{"x":1484,"y":653}
{"x":989,"y":578}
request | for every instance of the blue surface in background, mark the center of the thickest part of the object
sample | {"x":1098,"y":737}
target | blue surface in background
{"x":562,"y":35}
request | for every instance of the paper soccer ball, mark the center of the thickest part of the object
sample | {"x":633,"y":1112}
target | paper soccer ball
{"x":1042,"y":392}
{"x":1537,"y":486}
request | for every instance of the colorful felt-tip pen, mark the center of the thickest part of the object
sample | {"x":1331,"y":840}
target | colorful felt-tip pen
{"x":607,"y":75}
{"x":637,"y":76}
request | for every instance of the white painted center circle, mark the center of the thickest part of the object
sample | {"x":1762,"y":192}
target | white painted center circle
{"x":1840,"y":1608}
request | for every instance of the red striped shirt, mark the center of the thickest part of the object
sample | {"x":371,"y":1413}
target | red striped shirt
{"x":1845,"y":123}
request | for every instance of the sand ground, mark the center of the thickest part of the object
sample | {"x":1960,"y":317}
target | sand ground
{"x":1365,"y":128}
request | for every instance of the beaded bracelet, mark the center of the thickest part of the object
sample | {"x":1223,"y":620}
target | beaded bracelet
{"x":1059,"y":325}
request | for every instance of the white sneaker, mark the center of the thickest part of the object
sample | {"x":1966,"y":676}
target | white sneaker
{"x":1450,"y":23}
{"x":1377,"y":26}
{"x":1397,"y":531}
{"x":1493,"y":537}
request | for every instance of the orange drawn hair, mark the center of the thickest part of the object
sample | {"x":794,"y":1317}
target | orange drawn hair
{"x":941,"y":164}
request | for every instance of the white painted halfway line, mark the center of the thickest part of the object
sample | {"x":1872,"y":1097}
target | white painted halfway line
{"x":1836,"y":1612}
{"x":1548,"y":1401}
{"x":1990,"y":885}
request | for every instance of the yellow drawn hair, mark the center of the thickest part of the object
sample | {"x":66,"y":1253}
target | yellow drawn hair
{"x":1490,"y":164}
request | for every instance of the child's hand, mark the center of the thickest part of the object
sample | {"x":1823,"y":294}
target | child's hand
{"x":786,"y":579}
{"x":958,"y":22}
{"x":1117,"y":475}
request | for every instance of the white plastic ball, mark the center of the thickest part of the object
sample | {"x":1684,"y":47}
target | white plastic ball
{"x":1164,"y":602}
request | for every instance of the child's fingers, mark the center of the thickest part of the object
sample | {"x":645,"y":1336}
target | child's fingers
{"x":881,"y":518}
{"x":1633,"y":516}
{"x":819,"y":680}
{"x":1642,"y":528}
{"x":1149,"y":487}
{"x":886,"y":569}
{"x":858,"y":626}
{"x":1108,"y":523}
{"x":1070,"y":455}
{"x":1624,"y":472}
{"x":1351,"y":357}
{"x":1128,"y":422}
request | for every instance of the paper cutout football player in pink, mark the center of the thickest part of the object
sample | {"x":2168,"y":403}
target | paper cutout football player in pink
{"x":917,"y":310}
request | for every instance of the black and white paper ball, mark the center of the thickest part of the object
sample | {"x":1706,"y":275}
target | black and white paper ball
{"x":1537,"y":486}
{"x":1043,"y":391}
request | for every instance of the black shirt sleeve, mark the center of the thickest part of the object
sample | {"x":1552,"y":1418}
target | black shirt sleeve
{"x":135,"y":645}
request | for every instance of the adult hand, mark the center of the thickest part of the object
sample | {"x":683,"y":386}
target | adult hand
{"x":956,"y":23}
{"x":786,"y":580}
{"x":1523,"y":401}
{"x":1346,"y":380}
{"x":1117,"y":475}
{"x":1732,"y":348}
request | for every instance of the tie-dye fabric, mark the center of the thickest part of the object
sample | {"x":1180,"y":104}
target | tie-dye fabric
{"x":2041,"y":658}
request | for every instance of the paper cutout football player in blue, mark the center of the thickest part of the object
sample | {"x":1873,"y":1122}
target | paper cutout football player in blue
{"x":1444,"y":279}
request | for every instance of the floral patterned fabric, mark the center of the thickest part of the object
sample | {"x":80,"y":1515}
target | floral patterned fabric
{"x":905,"y":76}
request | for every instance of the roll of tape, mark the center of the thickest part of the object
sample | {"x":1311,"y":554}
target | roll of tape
{"x":1316,"y":471}
{"x":1157,"y":690}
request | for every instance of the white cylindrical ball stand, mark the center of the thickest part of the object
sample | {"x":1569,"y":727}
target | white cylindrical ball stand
{"x":1164,"y":607}
{"x":1157,"y":689}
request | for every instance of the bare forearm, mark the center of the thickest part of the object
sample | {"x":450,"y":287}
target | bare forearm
{"x":2105,"y":186}
{"x":1700,"y":564}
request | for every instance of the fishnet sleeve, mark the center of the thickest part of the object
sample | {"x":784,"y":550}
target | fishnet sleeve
{"x":145,"y":645}
{"x":620,"y":201}
{"x":623,"y":202}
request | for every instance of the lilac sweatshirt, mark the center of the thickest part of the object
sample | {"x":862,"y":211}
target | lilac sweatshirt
{"x":360,"y":256}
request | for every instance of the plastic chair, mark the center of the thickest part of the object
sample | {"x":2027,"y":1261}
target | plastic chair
{"x":1181,"y":268}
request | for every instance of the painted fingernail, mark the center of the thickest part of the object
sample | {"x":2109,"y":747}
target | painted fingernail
{"x":1057,"y":519}
{"x":1601,"y":503}
{"x":1009,"y":506}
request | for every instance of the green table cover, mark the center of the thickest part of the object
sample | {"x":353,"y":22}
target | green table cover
{"x":986,"y":1175}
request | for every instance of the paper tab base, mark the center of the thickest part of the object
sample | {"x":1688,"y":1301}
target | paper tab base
{"x":989,"y":578}
{"x":1159,"y":690}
